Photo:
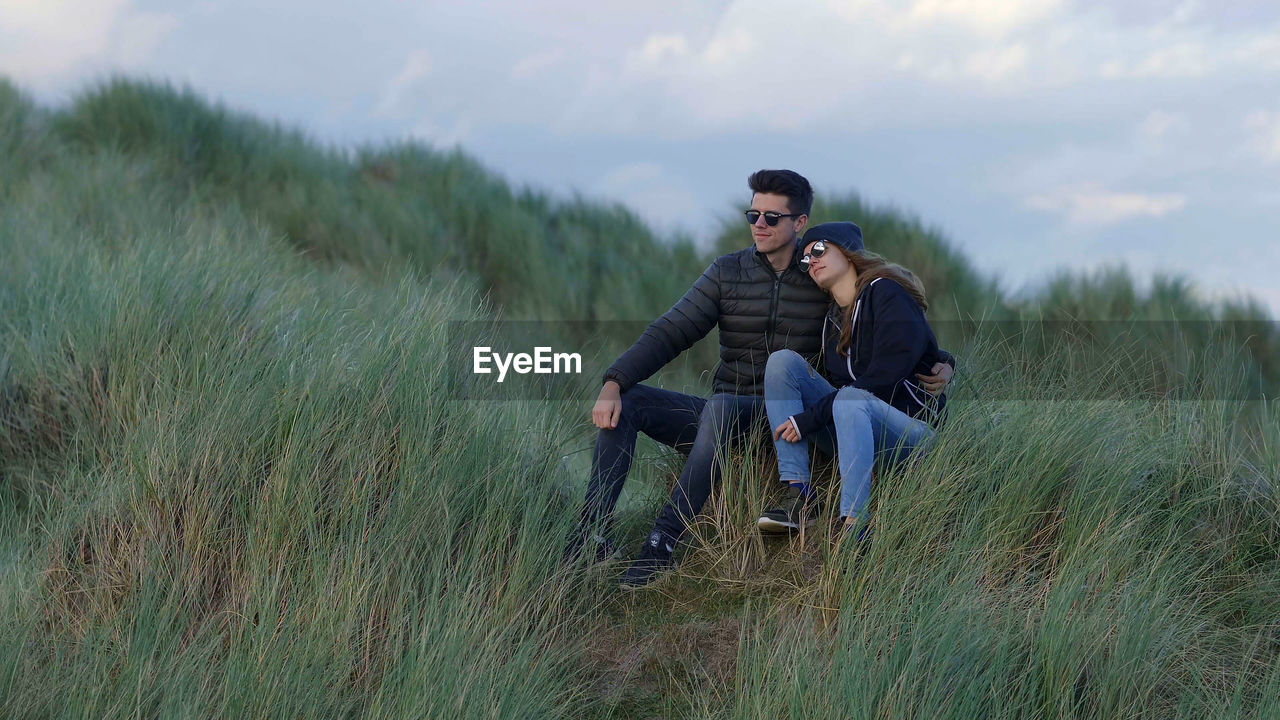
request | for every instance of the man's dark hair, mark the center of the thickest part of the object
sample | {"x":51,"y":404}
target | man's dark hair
{"x":784,"y":182}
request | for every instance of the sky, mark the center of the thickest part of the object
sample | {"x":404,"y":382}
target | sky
{"x":1035,"y":135}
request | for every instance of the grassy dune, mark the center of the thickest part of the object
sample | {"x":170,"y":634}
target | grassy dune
{"x":238,"y":479}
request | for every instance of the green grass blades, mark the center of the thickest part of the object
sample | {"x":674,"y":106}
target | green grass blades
{"x":239,"y":478}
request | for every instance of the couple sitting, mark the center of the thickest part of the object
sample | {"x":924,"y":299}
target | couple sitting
{"x":784,"y":307}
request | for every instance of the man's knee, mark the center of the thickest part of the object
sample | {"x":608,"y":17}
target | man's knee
{"x":636,"y":393}
{"x":718,"y":408}
{"x":719,"y":415}
{"x":634,"y":400}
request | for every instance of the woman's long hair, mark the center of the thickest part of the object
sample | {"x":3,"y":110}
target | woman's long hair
{"x":871,"y":267}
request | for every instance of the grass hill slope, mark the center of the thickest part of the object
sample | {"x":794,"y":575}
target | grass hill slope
{"x":237,"y":478}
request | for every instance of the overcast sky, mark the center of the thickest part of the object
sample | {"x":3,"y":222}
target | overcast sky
{"x":1036,"y":135}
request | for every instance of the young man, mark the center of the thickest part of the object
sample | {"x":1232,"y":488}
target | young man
{"x":762,"y":301}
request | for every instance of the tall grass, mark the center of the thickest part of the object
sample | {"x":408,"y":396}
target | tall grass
{"x":1048,"y":558}
{"x":238,"y":485}
{"x":238,"y":476}
{"x":403,"y":203}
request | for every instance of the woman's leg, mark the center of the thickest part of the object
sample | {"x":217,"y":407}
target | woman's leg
{"x":866,"y":425}
{"x":791,"y":385}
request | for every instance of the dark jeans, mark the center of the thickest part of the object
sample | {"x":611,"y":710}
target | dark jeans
{"x":701,"y":429}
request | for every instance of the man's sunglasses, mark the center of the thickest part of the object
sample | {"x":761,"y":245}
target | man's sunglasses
{"x":771,"y":218}
{"x":814,"y":252}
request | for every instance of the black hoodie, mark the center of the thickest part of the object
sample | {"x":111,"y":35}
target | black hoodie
{"x":891,"y":342}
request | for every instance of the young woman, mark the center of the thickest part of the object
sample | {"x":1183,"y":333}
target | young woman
{"x":867,"y":401}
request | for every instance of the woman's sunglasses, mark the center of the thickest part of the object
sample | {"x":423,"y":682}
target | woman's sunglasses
{"x":771,"y":218}
{"x":814,"y":252}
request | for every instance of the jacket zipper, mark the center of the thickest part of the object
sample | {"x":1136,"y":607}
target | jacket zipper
{"x":847,"y":362}
{"x":773,"y":302}
{"x":853,"y":330}
{"x":773,"y":312}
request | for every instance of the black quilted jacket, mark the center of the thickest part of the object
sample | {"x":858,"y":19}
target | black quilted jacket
{"x":758,"y":312}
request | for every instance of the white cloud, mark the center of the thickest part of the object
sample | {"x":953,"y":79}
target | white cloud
{"x":732,"y":49}
{"x":1187,"y":59}
{"x":995,"y":18}
{"x":1259,"y":51}
{"x":853,"y":64}
{"x":48,"y":40}
{"x":848,"y":61}
{"x":1263,"y":127}
{"x":661,"y":47}
{"x":1268,"y":295}
{"x":416,"y":67}
{"x":957,"y":109}
{"x":997,"y":63}
{"x":666,"y":202}
{"x":992,"y":66}
{"x":537,"y":63}
{"x":440,"y":135}
{"x":136,"y":36}
{"x":1091,"y":205}
{"x":1160,"y":127}
{"x":1160,"y":124}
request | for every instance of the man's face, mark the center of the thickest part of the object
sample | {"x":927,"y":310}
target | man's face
{"x":771,"y":239}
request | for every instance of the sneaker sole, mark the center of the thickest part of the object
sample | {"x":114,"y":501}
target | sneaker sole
{"x":769,"y":525}
{"x":632,"y":587}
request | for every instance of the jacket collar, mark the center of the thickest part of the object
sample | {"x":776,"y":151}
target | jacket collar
{"x":794,"y":263}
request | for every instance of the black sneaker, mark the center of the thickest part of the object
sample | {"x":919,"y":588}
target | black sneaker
{"x":795,"y":513}
{"x":858,"y":538}
{"x":593,"y":545}
{"x":654,"y":559}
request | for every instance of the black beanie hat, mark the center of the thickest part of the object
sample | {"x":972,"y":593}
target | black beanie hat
{"x":845,"y":234}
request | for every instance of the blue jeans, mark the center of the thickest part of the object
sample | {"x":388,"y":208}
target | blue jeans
{"x":864,"y":427}
{"x":699,"y":428}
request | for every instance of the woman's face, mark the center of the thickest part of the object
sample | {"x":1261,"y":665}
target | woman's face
{"x":827,"y":269}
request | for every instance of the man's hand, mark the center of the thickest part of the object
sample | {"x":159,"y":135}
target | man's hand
{"x":937,"y":382}
{"x":608,"y":406}
{"x":786,"y":431}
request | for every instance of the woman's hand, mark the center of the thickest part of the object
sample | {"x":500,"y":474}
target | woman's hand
{"x":937,"y":382}
{"x":786,"y":431}
{"x":608,"y":406}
